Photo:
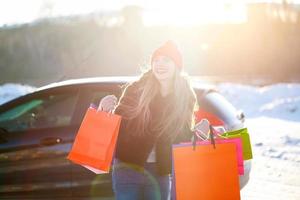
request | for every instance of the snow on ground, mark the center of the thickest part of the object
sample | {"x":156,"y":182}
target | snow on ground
{"x":275,"y":101}
{"x":273,"y":119}
{"x":11,"y":90}
{"x":275,"y":172}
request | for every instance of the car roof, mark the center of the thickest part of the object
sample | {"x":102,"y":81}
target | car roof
{"x":196,"y":82}
{"x":91,"y":80}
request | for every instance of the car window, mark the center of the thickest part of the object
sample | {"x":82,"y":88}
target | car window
{"x":49,"y":111}
{"x":19,"y":110}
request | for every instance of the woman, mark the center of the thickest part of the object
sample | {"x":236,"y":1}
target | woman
{"x":157,"y":111}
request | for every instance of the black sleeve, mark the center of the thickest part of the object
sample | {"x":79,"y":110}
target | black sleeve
{"x":129,"y":98}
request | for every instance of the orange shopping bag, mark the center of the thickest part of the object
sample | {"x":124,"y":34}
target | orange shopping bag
{"x":95,"y":141}
{"x":205,"y":172}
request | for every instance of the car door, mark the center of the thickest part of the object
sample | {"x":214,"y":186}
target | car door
{"x":218,"y":107}
{"x":36,"y":134}
{"x":86,"y":183}
{"x":216,"y":104}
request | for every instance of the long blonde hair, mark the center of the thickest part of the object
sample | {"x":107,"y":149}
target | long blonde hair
{"x":173,"y":123}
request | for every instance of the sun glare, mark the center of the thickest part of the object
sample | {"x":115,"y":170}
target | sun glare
{"x":155,"y":12}
{"x":198,"y":12}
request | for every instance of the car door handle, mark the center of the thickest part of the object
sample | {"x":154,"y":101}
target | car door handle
{"x":50,"y":141}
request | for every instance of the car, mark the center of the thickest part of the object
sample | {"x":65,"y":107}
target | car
{"x":38,"y":130}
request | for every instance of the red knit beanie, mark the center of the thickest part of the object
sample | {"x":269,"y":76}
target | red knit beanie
{"x":170,"y":50}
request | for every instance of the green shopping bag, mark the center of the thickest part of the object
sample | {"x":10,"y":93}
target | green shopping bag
{"x":244,"y":135}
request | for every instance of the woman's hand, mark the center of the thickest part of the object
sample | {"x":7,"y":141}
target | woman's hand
{"x":108,"y":103}
{"x":202,"y":128}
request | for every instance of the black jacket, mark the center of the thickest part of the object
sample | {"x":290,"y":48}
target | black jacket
{"x":136,"y":149}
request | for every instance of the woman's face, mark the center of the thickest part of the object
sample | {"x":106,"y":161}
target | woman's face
{"x":163,"y":68}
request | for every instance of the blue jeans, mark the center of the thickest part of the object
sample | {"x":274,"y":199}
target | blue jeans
{"x":131,"y":182}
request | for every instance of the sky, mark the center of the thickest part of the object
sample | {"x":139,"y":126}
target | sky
{"x":188,"y":12}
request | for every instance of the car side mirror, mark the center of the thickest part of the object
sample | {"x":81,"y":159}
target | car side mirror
{"x":241,"y":115}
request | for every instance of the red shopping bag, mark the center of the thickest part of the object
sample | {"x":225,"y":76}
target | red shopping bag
{"x":207,"y":172}
{"x":95,"y":141}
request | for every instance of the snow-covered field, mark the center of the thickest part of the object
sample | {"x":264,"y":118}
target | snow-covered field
{"x":10,"y":91}
{"x":273,"y":119}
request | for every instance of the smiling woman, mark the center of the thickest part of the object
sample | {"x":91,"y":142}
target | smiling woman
{"x":150,"y":125}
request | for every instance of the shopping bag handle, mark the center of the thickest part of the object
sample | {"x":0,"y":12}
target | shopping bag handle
{"x":211,"y":135}
{"x":211,"y":138}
